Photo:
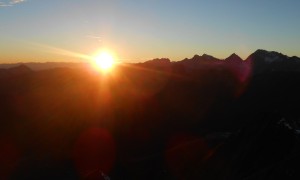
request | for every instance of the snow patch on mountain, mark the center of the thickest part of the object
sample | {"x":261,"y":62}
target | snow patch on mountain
{"x":271,"y":59}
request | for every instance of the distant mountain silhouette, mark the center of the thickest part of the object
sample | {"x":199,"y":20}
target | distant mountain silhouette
{"x":158,"y":62}
{"x":198,"y":61}
{"x":199,"y":118}
{"x":20,"y":69}
{"x":37,"y":66}
{"x":233,"y":58}
{"x":260,"y":61}
{"x":268,"y":61}
{"x":204,"y":57}
{"x":15,"y":71}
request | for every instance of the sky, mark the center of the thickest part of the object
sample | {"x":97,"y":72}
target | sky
{"x":139,"y":30}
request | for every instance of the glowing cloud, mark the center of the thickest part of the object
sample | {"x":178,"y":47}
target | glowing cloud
{"x":10,"y":3}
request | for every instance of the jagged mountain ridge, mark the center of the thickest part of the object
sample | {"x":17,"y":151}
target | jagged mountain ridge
{"x":259,"y":58}
{"x":259,"y":61}
{"x":15,"y":71}
{"x":221,"y":124}
{"x":267,"y":56}
{"x":234,"y":58}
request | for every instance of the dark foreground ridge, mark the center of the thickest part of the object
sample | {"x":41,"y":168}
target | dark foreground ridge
{"x":199,"y":118}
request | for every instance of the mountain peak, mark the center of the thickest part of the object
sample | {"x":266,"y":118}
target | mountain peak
{"x":21,"y":69}
{"x":267,"y":56}
{"x":15,"y":71}
{"x":206,"y":56}
{"x":159,"y":62}
{"x":196,"y":56}
{"x":261,"y":51}
{"x":234,"y":58}
{"x":234,"y":55}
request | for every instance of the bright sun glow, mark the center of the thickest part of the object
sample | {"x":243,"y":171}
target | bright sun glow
{"x":104,"y":61}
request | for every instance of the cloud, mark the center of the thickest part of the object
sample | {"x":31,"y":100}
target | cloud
{"x":2,"y":4}
{"x":98,"y":38}
{"x":93,"y":37}
{"x":7,"y":3}
{"x":16,"y":1}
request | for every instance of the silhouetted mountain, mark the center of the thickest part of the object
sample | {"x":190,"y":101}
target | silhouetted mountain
{"x":267,"y":56}
{"x":197,"y":62}
{"x":203,"y":58}
{"x":267,"y":61}
{"x":37,"y":66}
{"x":159,"y":61}
{"x":233,"y":58}
{"x":15,"y":71}
{"x":22,"y":69}
{"x":200,"y":118}
{"x":258,"y":62}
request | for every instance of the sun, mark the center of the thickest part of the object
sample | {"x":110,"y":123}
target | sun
{"x":104,"y":61}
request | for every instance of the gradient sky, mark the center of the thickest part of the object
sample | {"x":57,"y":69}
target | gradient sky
{"x":137,"y":30}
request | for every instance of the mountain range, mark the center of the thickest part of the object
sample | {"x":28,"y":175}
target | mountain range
{"x":199,"y":118}
{"x":262,"y":60}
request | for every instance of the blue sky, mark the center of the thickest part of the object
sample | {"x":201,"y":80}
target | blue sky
{"x":137,"y":30}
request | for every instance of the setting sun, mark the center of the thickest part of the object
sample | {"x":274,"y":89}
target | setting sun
{"x":104,"y":61}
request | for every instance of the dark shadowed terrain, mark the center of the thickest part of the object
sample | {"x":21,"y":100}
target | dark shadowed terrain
{"x":199,"y":118}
